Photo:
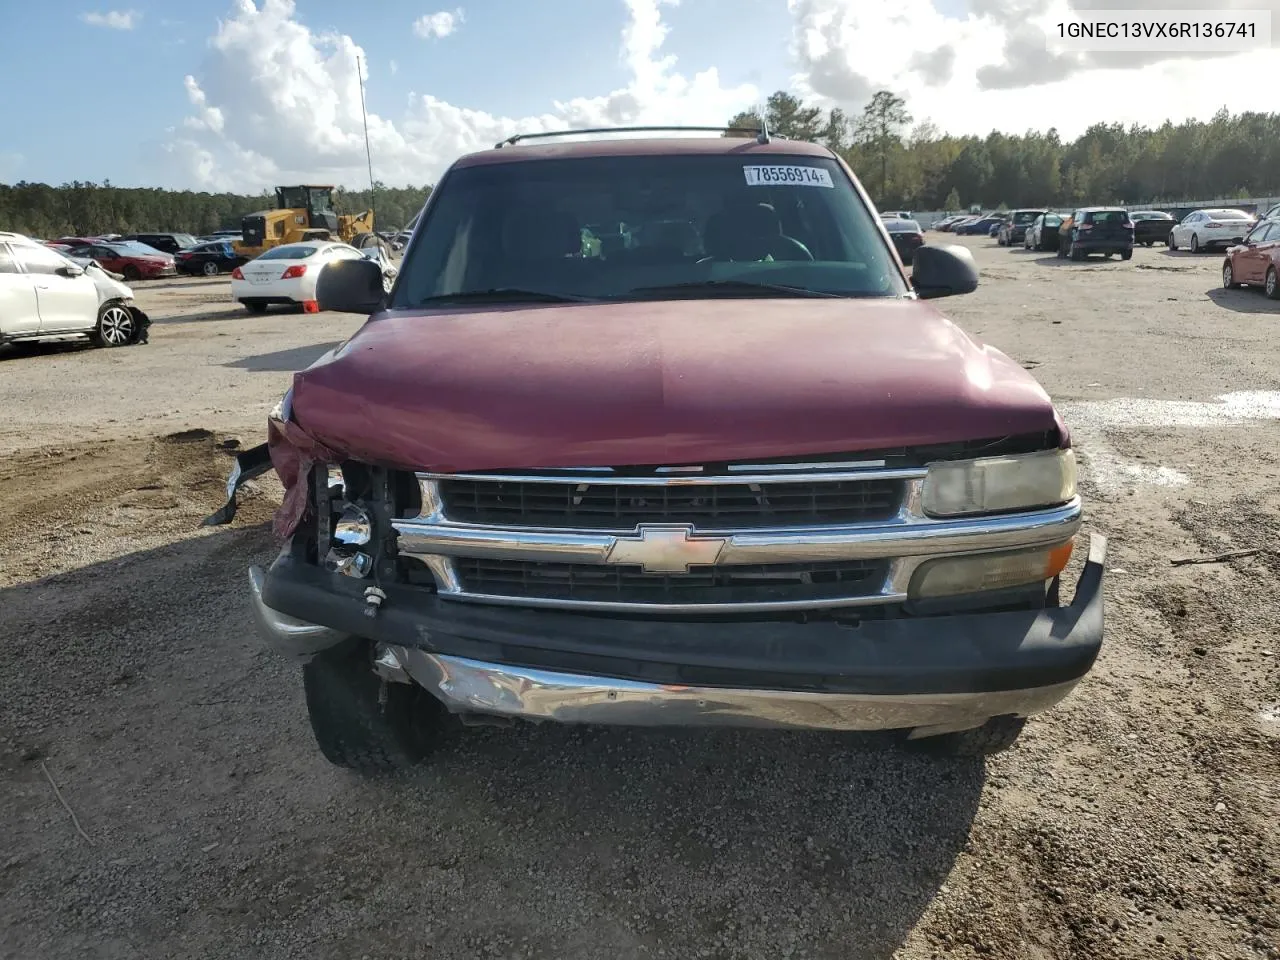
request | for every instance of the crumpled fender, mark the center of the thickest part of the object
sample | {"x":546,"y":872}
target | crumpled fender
{"x":141,"y":324}
{"x":292,"y":453}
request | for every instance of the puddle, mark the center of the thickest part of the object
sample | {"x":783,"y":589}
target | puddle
{"x":1115,"y":474}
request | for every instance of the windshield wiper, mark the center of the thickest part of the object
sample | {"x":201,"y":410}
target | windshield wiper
{"x":503,"y":295}
{"x":731,"y":286}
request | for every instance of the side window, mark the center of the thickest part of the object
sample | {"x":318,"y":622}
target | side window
{"x":39,"y":259}
{"x":6,"y":260}
{"x":1264,"y":232}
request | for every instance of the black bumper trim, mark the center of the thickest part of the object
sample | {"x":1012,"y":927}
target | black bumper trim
{"x":947,"y":654}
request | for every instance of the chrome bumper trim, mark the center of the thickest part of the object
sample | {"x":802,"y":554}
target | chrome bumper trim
{"x":470,"y":686}
{"x":907,"y":540}
{"x":906,"y":535}
{"x":286,"y":635}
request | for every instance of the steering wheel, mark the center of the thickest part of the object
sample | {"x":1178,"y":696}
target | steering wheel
{"x":794,"y":246}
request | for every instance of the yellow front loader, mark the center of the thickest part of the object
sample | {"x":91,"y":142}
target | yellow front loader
{"x":301,"y":213}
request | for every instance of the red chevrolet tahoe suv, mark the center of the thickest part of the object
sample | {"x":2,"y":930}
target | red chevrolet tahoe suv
{"x":660,"y":431}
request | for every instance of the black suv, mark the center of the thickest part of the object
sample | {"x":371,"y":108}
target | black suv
{"x":1105,"y":230}
{"x":164,"y":242}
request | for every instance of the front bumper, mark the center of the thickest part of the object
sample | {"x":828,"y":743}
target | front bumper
{"x":931,"y":674}
{"x":1099,"y":245}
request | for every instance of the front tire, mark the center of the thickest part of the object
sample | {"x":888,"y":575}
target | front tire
{"x":1228,"y":275}
{"x":131,"y":273}
{"x":364,"y":723}
{"x":210,"y":269}
{"x":1126,"y":254}
{"x":1272,"y":286}
{"x":995,"y":736}
{"x":1171,"y":243}
{"x":1195,"y":243}
{"x":115,"y":327}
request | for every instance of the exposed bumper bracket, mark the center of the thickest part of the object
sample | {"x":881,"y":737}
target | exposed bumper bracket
{"x":289,"y":636}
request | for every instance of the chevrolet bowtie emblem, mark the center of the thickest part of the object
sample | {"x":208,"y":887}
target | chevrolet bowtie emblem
{"x":666,"y":549}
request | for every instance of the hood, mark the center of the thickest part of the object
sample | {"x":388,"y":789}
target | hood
{"x":648,"y":383}
{"x":108,"y":287}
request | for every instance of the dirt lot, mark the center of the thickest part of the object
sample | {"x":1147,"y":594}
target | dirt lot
{"x":1140,"y":819}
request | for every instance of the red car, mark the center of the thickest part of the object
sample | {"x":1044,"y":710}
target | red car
{"x":135,"y":261}
{"x":1256,"y":261}
{"x":754,"y":477}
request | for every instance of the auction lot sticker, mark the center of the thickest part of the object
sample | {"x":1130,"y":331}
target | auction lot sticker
{"x":786,"y":175}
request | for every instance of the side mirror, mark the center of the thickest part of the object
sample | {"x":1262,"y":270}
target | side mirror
{"x":943,"y":272}
{"x":351,"y":286}
{"x":70,"y":270}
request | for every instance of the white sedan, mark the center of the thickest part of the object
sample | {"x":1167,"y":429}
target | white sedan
{"x":1206,"y":229}
{"x":44,"y":296}
{"x":287,"y":274}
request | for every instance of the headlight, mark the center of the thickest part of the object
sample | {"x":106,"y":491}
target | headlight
{"x":998,"y":484}
{"x":975,"y":573}
{"x":284,"y":409}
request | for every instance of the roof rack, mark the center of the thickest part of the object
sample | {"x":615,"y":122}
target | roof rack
{"x":761,"y":132}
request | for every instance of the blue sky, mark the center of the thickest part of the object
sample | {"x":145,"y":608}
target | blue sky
{"x":240,"y":94}
{"x":143,"y":68}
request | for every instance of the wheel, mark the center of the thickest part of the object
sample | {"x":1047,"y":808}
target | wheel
{"x":1170,"y":242}
{"x":254,"y":306}
{"x":365,"y":723}
{"x":1195,"y":243}
{"x":1272,"y":285}
{"x":1228,"y":275}
{"x":131,"y":273}
{"x":1150,"y":243}
{"x":995,"y":736}
{"x":1074,"y":252}
{"x":115,"y":326}
{"x":210,"y":268}
{"x":1126,"y":254}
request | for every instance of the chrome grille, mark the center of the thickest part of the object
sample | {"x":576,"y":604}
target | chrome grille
{"x":736,"y":539}
{"x":606,"y":505}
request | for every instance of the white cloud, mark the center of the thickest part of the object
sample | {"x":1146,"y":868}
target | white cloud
{"x":438,"y":25}
{"x":277,"y":103}
{"x":991,"y":70}
{"x":395,"y":68}
{"x":113,"y":19}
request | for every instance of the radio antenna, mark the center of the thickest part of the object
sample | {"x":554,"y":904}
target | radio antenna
{"x":368,"y":153}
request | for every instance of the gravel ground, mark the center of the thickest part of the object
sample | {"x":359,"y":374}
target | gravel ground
{"x":1139,"y":819}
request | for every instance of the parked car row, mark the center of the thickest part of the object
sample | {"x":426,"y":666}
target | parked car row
{"x":1252,"y":244}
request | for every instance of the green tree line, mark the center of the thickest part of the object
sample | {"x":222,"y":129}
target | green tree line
{"x":88,"y":209}
{"x":919,"y":168}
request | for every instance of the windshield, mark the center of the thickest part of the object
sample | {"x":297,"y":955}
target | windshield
{"x":1026,"y":216}
{"x":292,"y":252}
{"x":629,"y":227}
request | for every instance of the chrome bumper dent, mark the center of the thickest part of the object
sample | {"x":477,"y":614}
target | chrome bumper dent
{"x":286,"y":635}
{"x":468,"y":686}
